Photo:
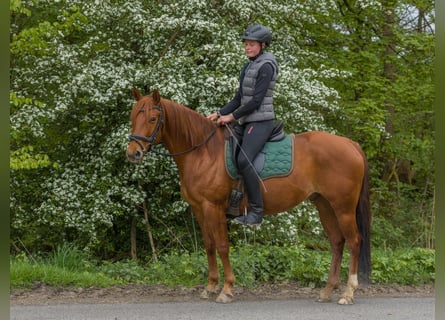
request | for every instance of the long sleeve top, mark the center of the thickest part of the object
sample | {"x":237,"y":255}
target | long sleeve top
{"x":264,"y":78}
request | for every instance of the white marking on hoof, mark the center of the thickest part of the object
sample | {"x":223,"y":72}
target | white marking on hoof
{"x":346,"y":301}
{"x":353,"y":279}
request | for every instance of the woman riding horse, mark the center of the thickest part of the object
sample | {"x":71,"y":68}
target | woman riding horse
{"x":330,"y":170}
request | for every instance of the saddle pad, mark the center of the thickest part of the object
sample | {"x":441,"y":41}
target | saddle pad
{"x":275,"y":160}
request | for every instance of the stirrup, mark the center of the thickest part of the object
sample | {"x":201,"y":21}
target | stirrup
{"x":236,"y":195}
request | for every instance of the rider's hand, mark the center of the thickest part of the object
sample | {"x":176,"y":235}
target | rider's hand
{"x":222,"y":120}
{"x":213,"y":116}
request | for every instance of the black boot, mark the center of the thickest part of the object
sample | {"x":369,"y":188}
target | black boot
{"x":253,"y":219}
{"x":255,"y":215}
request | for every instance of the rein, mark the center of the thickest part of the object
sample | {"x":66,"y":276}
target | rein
{"x":193,"y":148}
{"x":152,"y":138}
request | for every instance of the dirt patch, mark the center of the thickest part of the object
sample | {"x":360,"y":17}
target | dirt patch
{"x":42,"y":294}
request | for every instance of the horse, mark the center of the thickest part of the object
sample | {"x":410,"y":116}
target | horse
{"x":330,"y":170}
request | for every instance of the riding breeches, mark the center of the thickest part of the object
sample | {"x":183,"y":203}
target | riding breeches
{"x":254,"y":136}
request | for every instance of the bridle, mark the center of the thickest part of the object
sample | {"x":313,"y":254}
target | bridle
{"x":152,"y":138}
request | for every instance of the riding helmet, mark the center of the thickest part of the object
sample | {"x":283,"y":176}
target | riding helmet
{"x":259,"y":33}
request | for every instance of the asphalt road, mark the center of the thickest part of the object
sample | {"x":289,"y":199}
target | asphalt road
{"x":304,"y":309}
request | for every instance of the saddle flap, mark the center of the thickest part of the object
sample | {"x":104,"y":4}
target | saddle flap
{"x":275,"y":160}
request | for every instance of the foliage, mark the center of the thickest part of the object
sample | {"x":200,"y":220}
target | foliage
{"x":73,"y":63}
{"x":416,"y":266}
{"x":405,"y":221}
{"x":387,"y":51}
{"x":69,"y":257}
{"x":252,"y":264}
{"x":277,"y":264}
{"x":300,"y":225}
{"x":123,"y":271}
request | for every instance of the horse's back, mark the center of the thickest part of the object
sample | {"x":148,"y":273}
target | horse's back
{"x":323,"y":146}
{"x":328,"y":160}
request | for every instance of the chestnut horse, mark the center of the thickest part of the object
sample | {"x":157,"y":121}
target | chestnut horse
{"x":330,"y":170}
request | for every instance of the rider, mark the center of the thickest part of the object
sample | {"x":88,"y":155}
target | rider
{"x":252,"y":109}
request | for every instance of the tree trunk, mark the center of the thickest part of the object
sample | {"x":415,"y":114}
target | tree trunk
{"x":389,"y":67}
{"x":150,"y":234}
{"x":133,"y":238}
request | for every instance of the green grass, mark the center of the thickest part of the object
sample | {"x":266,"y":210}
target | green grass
{"x":23,"y":273}
{"x":252,"y":265}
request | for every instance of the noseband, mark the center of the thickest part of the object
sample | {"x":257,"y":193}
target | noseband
{"x":151,"y":139}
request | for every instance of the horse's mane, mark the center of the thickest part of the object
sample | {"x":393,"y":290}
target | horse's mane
{"x":190,"y":126}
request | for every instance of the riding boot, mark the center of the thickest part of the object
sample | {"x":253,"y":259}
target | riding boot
{"x":255,"y":215}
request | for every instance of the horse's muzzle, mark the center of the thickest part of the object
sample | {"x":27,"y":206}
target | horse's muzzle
{"x":135,"y":156}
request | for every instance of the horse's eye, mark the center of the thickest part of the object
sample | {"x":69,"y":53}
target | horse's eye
{"x":153,"y":120}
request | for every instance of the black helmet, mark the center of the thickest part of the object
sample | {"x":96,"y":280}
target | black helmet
{"x":259,"y":33}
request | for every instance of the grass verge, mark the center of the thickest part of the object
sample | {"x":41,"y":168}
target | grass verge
{"x":252,"y":265}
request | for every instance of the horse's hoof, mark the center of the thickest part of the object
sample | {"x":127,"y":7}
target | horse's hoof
{"x":224,"y":298}
{"x":205,"y":294}
{"x":325,"y":296}
{"x":346,"y":301}
{"x":324,"y":300}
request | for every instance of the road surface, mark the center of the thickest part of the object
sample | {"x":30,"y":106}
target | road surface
{"x":411,"y":308}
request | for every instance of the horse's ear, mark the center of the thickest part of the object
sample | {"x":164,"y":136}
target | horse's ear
{"x":136,"y":94}
{"x":156,"y":96}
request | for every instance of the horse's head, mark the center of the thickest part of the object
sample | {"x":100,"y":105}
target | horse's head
{"x":146,"y":122}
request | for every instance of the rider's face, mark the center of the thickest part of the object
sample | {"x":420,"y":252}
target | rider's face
{"x":252,"y":48}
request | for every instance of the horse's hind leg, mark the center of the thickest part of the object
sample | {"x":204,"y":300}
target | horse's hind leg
{"x":336,"y":240}
{"x":340,"y":226}
{"x":348,"y":226}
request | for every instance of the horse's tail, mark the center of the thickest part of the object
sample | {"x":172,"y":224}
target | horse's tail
{"x":363,"y":216}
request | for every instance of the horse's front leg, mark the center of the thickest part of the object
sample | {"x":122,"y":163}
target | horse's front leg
{"x":222,"y":247}
{"x":214,"y":231}
{"x":210,"y":248}
{"x":213,"y":278}
{"x":226,"y":295}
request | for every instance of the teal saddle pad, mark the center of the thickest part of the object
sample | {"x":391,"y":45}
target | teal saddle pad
{"x":275,"y":160}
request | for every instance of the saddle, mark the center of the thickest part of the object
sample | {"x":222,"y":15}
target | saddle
{"x":275,"y":160}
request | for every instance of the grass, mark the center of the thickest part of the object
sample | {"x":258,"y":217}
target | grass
{"x":24,"y":272}
{"x":69,"y":266}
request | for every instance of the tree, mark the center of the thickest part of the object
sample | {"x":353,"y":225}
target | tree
{"x":387,"y":49}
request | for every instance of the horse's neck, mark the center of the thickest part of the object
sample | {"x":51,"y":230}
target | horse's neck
{"x":184,"y":129}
